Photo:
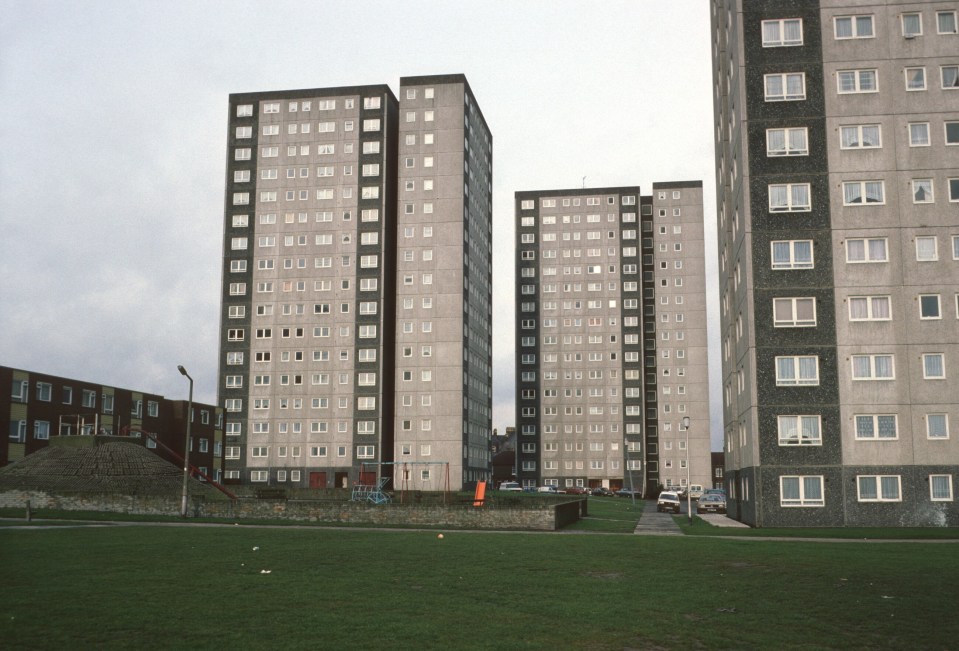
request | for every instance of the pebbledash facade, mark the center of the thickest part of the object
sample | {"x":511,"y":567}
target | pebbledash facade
{"x":838,"y":217}
{"x":356,"y":298}
{"x":611,"y":338}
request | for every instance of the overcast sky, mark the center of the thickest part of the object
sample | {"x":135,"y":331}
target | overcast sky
{"x":114,"y":122}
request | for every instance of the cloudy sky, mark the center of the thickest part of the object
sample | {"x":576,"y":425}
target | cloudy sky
{"x":113,"y":124}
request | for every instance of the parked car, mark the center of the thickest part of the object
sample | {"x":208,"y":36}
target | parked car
{"x":547,"y":489}
{"x":601,"y":491}
{"x":695,"y":491}
{"x":711,"y":504}
{"x":668,"y":502}
{"x":510,"y":486}
{"x":576,"y":490}
{"x":626,"y":492}
{"x":715,"y":491}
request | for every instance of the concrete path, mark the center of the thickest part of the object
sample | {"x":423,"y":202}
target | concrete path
{"x":656,"y":524}
{"x":722,"y":520}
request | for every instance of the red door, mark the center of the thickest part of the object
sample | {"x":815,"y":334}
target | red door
{"x":367,"y":478}
{"x":317,"y":480}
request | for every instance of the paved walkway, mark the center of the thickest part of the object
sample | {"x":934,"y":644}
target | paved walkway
{"x":653,"y":523}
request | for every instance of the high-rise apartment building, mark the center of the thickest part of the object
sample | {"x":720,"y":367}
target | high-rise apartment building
{"x":611,"y":338}
{"x":837,"y":164}
{"x":313,"y":362}
{"x":444,"y":285}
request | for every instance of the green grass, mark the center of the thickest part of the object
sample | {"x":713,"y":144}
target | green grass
{"x":156,"y":586}
{"x":610,"y":515}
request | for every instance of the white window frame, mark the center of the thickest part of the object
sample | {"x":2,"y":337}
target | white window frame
{"x":792,"y":264}
{"x":802,"y":500}
{"x":926,"y":186}
{"x":953,"y":71}
{"x":798,"y":423}
{"x":784,"y":79}
{"x":926,"y":357}
{"x":876,"y":431}
{"x":793,"y":203}
{"x":915,"y":83}
{"x":795,"y":379}
{"x":794,"y":321}
{"x":867,"y":250}
{"x":872,"y":376}
{"x":932,"y":494}
{"x":945,"y":422}
{"x":788,"y":148}
{"x":880,"y":489}
{"x":870,"y":311}
{"x":863,"y":186}
{"x":858,"y":75}
{"x":860,"y":141}
{"x":779,"y":38}
{"x":854,"y":26}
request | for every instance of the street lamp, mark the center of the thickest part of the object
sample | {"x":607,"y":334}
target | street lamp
{"x":186,"y":453}
{"x":629,"y":469}
{"x":689,"y":497}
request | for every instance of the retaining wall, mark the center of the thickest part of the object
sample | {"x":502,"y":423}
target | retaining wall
{"x":538,"y":516}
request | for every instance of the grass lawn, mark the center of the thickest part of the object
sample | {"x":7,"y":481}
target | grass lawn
{"x":610,"y":514}
{"x":150,"y":587}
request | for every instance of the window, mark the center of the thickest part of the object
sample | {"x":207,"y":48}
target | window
{"x":949,"y":76}
{"x":44,"y":391}
{"x":853,"y":27}
{"x":876,"y":426}
{"x":855,"y":193}
{"x":952,"y":133}
{"x":933,"y":366}
{"x":802,"y":490}
{"x":860,"y":136}
{"x":919,"y":134}
{"x":800,"y":430}
{"x":794,"y":312}
{"x":787,"y":142}
{"x":785,"y":87}
{"x":869,"y":308}
{"x":929,"y":306}
{"x":41,"y":430}
{"x":873,"y":367}
{"x":867,"y":250}
{"x":857,"y":81}
{"x":792,"y":254}
{"x":937,"y":426}
{"x":922,"y":191}
{"x":953,"y":190}
{"x":940,"y":486}
{"x":946,"y":22}
{"x":911,"y":25}
{"x":915,"y":79}
{"x":789,"y":197}
{"x":782,"y":33}
{"x":927,"y":249}
{"x":878,"y":488}
{"x":798,"y":370}
{"x":244,"y":110}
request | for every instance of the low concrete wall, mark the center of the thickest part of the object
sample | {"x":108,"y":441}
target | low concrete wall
{"x":531,"y":515}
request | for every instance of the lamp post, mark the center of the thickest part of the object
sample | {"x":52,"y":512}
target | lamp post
{"x":629,"y":469}
{"x":186,"y":452}
{"x":689,"y":497}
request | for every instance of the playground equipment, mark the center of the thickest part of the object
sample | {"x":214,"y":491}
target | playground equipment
{"x":372,"y":493}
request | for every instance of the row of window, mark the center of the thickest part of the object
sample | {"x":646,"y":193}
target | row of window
{"x":304,"y":106}
{"x":807,"y":490}
{"x":803,"y":370}
{"x":798,"y":254}
{"x":806,"y":429}
{"x":796,"y":197}
{"x":800,"y":312}
{"x":791,"y":86}
{"x":788,"y":32}
{"x":323,"y":216}
{"x":794,"y":141}
{"x":628,"y":200}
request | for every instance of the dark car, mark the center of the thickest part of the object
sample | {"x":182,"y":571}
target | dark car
{"x":626,"y":492}
{"x":576,"y":490}
{"x":711,"y":504}
{"x":668,"y":502}
{"x":602,"y":491}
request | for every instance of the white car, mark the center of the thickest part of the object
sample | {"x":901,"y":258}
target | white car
{"x":547,"y":489}
{"x":510,"y":486}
